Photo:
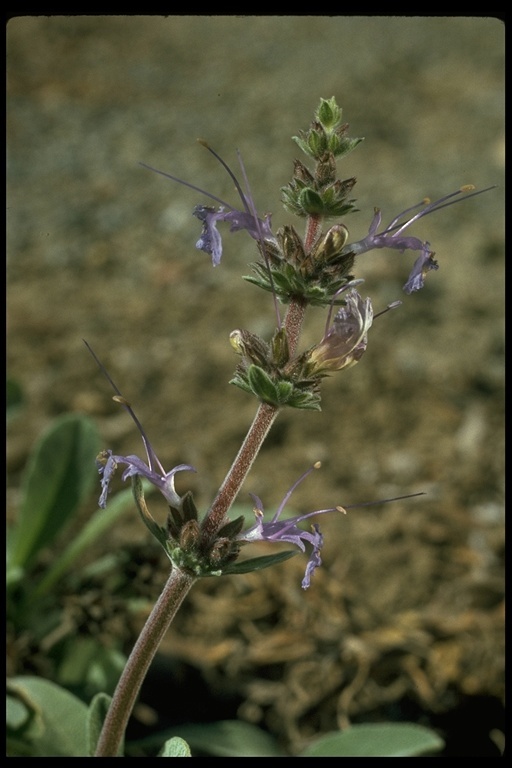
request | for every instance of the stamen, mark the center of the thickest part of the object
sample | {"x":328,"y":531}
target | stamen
{"x":280,"y":508}
{"x":254,"y":213}
{"x":384,"y":501}
{"x":191,"y":186}
{"x":362,"y":504}
{"x":152,"y":458}
{"x":228,"y":169}
{"x":122,"y":401}
{"x":436,"y":206}
{"x":393,"y":305}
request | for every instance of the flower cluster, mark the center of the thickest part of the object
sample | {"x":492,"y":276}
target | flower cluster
{"x":182,"y":538}
{"x":314,"y":269}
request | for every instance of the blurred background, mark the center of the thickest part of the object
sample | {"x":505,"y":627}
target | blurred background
{"x":404,"y":621}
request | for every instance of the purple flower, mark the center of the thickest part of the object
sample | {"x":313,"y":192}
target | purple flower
{"x":153,"y":471}
{"x":392,"y":237}
{"x":288,"y":530}
{"x":423,"y":264}
{"x":210,"y":240}
{"x":107,"y":463}
{"x":345,"y":341}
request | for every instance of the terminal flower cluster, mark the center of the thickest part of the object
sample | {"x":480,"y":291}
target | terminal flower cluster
{"x":300,"y":270}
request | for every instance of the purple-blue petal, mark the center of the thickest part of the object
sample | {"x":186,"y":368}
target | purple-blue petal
{"x":135,"y":466}
{"x":315,"y":561}
{"x":397,"y":242}
{"x":210,"y":240}
{"x":106,"y":471}
{"x":423,"y":264}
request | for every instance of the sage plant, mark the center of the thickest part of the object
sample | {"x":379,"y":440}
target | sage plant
{"x":316,"y":268}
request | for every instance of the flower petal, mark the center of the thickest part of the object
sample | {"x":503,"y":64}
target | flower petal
{"x":423,"y":264}
{"x":315,"y":561}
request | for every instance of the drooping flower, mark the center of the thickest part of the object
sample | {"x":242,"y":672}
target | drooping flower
{"x":248,"y":219}
{"x":392,"y":236}
{"x":345,"y":341}
{"x":288,"y":530}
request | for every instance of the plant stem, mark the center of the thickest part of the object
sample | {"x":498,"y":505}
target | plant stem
{"x":313,"y":225}
{"x":258,"y":431}
{"x":179,"y":583}
{"x":132,"y":677}
{"x":293,"y":323}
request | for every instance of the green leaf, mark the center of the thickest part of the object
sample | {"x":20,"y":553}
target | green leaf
{"x":59,"y":476}
{"x":258,"y":563}
{"x":284,"y":390}
{"x":17,"y":714}
{"x":341,"y":147}
{"x":99,"y":523}
{"x":14,"y":397}
{"x":230,"y":738}
{"x":377,"y":740}
{"x":96,"y":715}
{"x":175,"y":747}
{"x":305,"y":400}
{"x":311,"y":202}
{"x":88,"y":667}
{"x":303,"y":145}
{"x":262,"y":385}
{"x":57,"y":726}
{"x":328,"y":113}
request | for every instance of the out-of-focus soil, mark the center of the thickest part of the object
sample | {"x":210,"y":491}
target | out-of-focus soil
{"x":405,"y":617}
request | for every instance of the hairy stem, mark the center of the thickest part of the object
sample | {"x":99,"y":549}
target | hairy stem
{"x":132,"y":677}
{"x":293,"y":323}
{"x":179,"y":583}
{"x":258,"y":431}
{"x":312,"y":229}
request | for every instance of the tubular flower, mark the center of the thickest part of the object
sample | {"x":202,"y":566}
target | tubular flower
{"x":107,"y":463}
{"x":247,"y":218}
{"x":211,"y":241}
{"x":153,"y":471}
{"x":392,"y":237}
{"x":345,"y":341}
{"x":288,"y":530}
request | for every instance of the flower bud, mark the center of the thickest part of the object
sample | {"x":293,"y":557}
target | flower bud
{"x":189,"y":535}
{"x":331,"y":244}
{"x":249,"y":345}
